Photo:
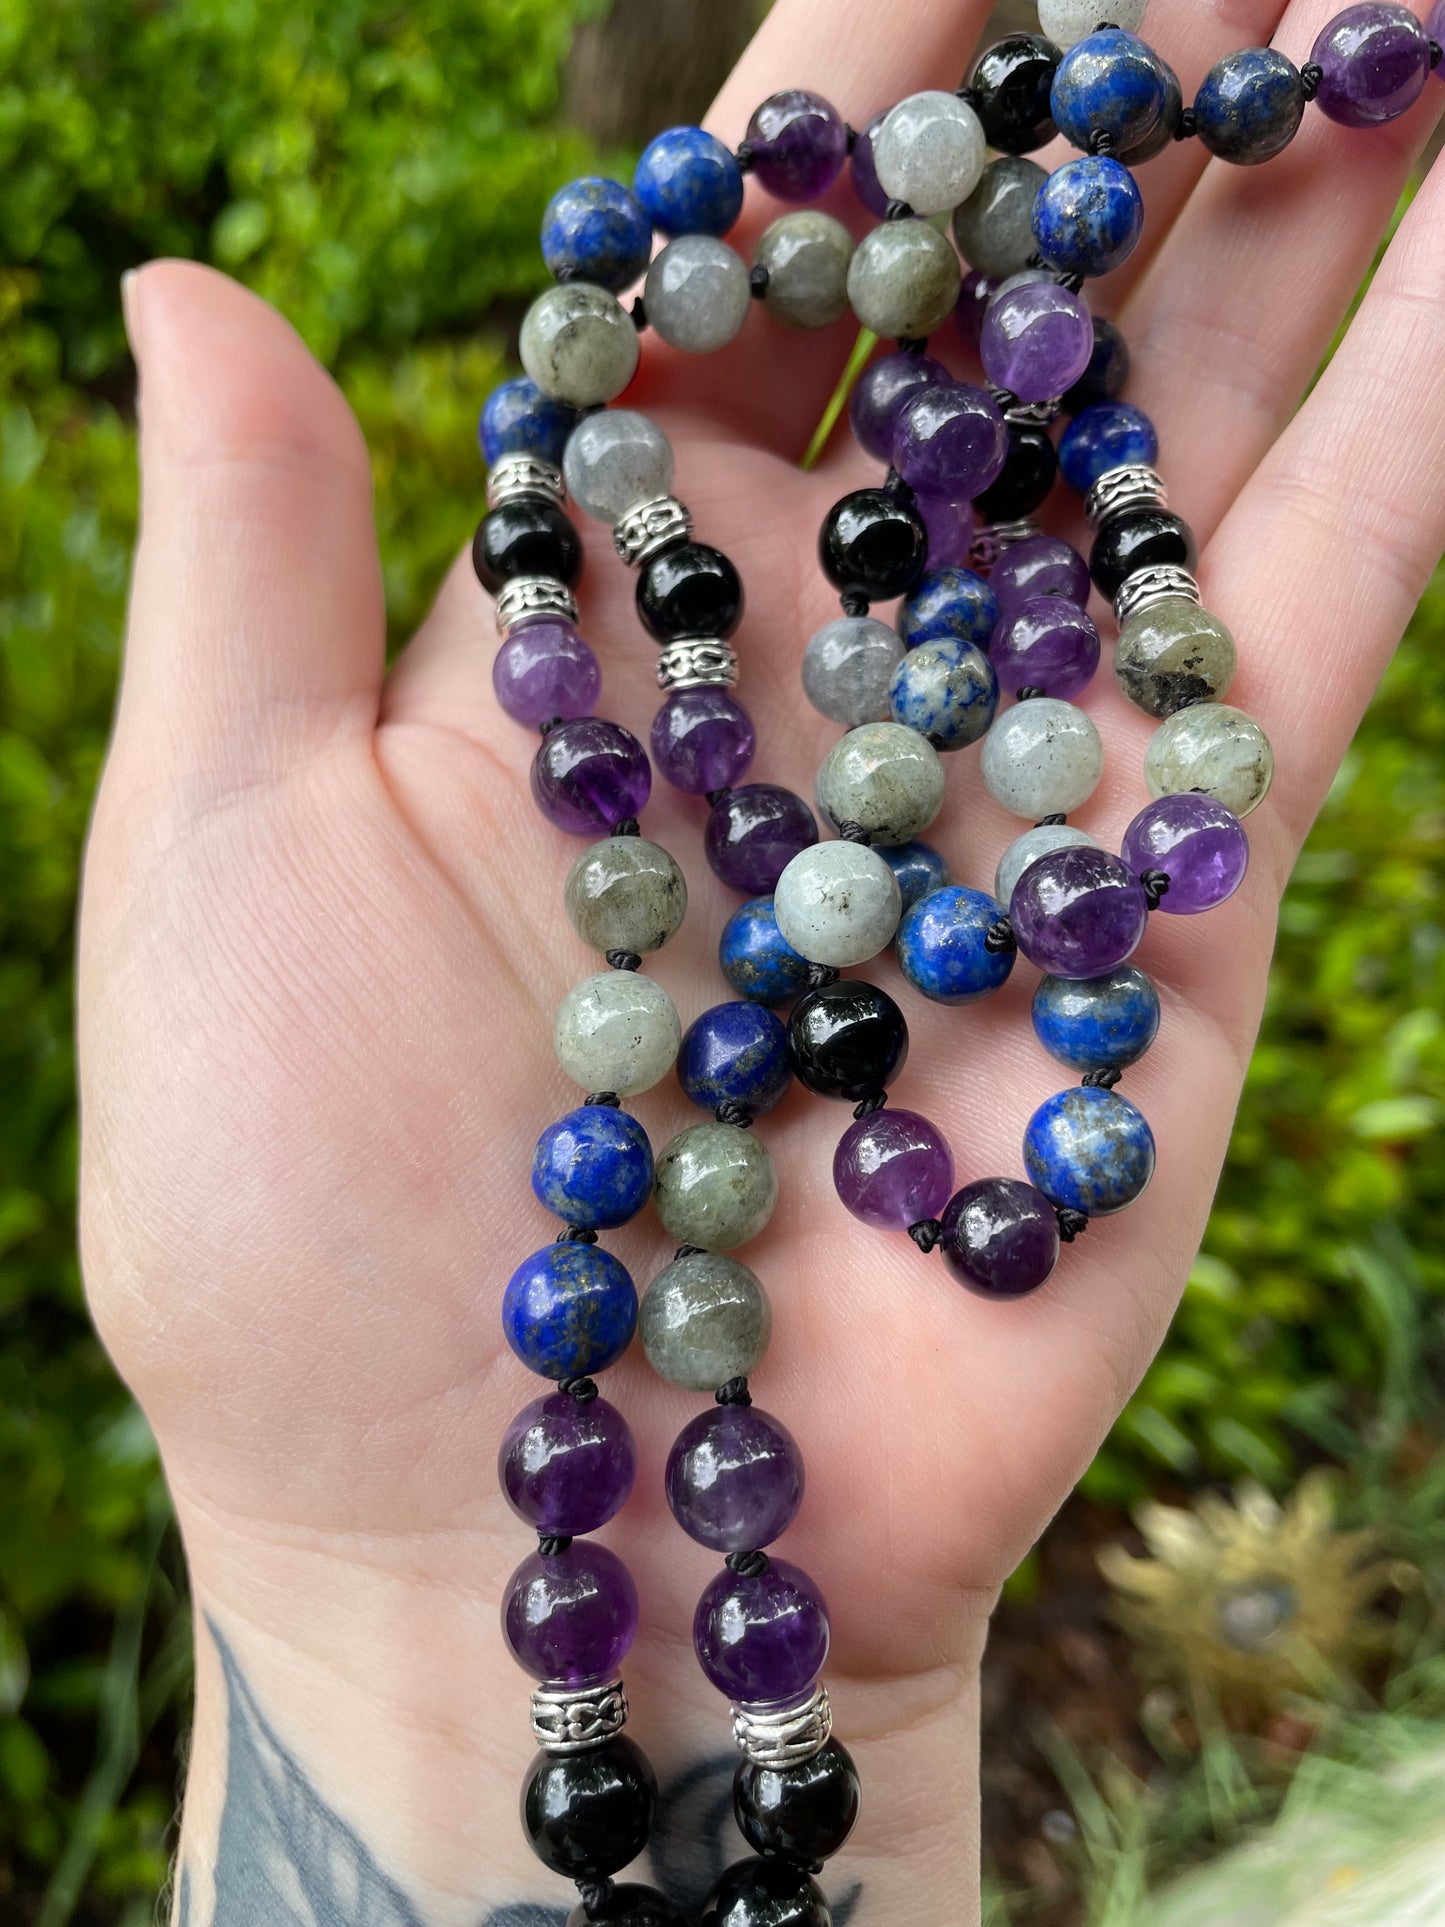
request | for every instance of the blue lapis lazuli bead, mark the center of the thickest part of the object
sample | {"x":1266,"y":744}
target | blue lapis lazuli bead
{"x":735,"y":1054}
{"x":943,"y":946}
{"x":949,"y":602}
{"x":1250,"y":106}
{"x":757,"y":959}
{"x":1111,"y":434}
{"x":688,"y":183}
{"x":569,"y":1309}
{"x":919,"y":868}
{"x":596,"y":230}
{"x":518,"y":419}
{"x":1089,"y":1150}
{"x":1088,"y":216}
{"x":947,"y":691}
{"x":593,"y":1167}
{"x":1097,"y":1023}
{"x":1108,"y":83}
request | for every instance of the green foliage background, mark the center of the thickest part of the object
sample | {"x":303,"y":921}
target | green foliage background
{"x":378,"y":172}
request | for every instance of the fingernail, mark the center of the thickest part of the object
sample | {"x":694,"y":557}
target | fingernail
{"x":127,"y":307}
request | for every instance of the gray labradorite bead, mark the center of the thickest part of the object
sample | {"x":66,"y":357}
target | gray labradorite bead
{"x":1213,"y":748}
{"x":626,"y":894}
{"x":847,"y":668}
{"x":579,"y":344}
{"x":885,"y":778}
{"x":806,"y":255}
{"x":704,"y":1320}
{"x":1173,"y":654}
{"x":994,"y":227}
{"x":838,"y":903}
{"x":1042,"y":758}
{"x":697,"y":294}
{"x":904,"y":279}
{"x":715,"y":1186}
{"x":1028,"y":848}
{"x":615,"y":460}
{"x":617,"y":1031}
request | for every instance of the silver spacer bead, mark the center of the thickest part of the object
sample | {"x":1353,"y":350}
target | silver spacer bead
{"x":697,"y":662}
{"x":1125,"y":491}
{"x":515,"y":478}
{"x":651,"y":527}
{"x":526,"y":598}
{"x":569,"y":1719}
{"x":995,"y":538}
{"x":1028,"y":414}
{"x":770,"y":1738}
{"x":1167,"y":580}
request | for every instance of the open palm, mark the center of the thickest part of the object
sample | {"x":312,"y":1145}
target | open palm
{"x":323,"y":942}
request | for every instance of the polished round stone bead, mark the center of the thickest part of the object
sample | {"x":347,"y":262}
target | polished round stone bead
{"x":885,"y":778}
{"x":930,"y":152}
{"x":629,"y":1905}
{"x":766,"y":1893}
{"x":994,"y":227}
{"x":1214,"y":749}
{"x":847,"y":667}
{"x":579,"y":344}
{"x":1435,"y":27}
{"x":762,"y":1640}
{"x":1152,"y":540}
{"x":801,"y":1813}
{"x":754,"y":832}
{"x":947,"y":691}
{"x":593,"y":1167}
{"x":1042,"y":758}
{"x":702,"y":739}
{"x":949,"y":604}
{"x":1109,"y":435}
{"x":972,"y":304}
{"x":838,"y":904}
{"x":1000,"y":1238}
{"x":595,"y":230}
{"x":903,"y":280}
{"x":1099,"y":1023}
{"x":529,"y":537}
{"x":1078,"y":913}
{"x":567,"y":1465}
{"x":615,"y":460}
{"x":1107,"y":373}
{"x":1108,"y":83}
{"x":544,"y":670}
{"x":1250,"y":106}
{"x":1036,"y":341}
{"x":735,"y":1054}
{"x":1045,"y":565}
{"x":734,"y":1478}
{"x":1199,"y":844}
{"x":518,"y":419}
{"x":884,"y":389}
{"x":806,"y":256}
{"x":625,"y":894}
{"x":798,"y":144}
{"x":1089,"y":1150}
{"x":1048,"y":644}
{"x":589,"y":775}
{"x":919,"y":869}
{"x":873,"y":543}
{"x":847,"y":1040}
{"x":705,"y":1319}
{"x":1172,"y":655}
{"x":1038,"y":842}
{"x":715,"y":1186}
{"x":1089,"y":216}
{"x":568,"y":1310}
{"x":1012,"y":85}
{"x":863,"y":168}
{"x":1028,"y":475}
{"x":893,"y":1169}
{"x":697,"y":294}
{"x":1376,"y":60}
{"x":570,"y":1617}
{"x":617,"y":1031}
{"x":1165,"y":130}
{"x":950,"y":527}
{"x":951,"y":440}
{"x":691,"y":589}
{"x":943,"y":947}
{"x":588,"y":1814}
{"x":757,"y":960}
{"x":1068,"y":21}
{"x":689,"y":183}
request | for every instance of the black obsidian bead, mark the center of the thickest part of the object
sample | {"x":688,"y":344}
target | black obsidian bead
{"x":1013,"y":81}
{"x":588,"y":1815}
{"x":630,"y":1906}
{"x":873,"y":543}
{"x":1107,"y":372}
{"x":1029,"y":470}
{"x":847,"y":1040}
{"x":690,"y":590}
{"x":529,"y":537}
{"x":1133,"y":542}
{"x":766,"y":1893}
{"x":802,"y":1813}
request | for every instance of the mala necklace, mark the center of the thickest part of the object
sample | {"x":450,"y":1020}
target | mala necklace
{"x":989,"y":604}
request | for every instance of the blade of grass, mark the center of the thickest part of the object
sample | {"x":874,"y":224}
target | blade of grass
{"x":857,"y":362}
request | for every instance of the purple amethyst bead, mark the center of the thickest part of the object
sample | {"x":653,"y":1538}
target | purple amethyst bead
{"x":1044,"y":565}
{"x":864,"y":169}
{"x":570,"y":1617}
{"x":950,"y":440}
{"x":893,"y":1170}
{"x":1198,"y":843}
{"x":753,"y":834}
{"x":950,"y":527}
{"x":972,"y":307}
{"x":1376,"y":60}
{"x":1435,"y":27}
{"x":798,"y":144}
{"x":735,"y":1478}
{"x":762,"y":1641}
{"x":1037,"y":340}
{"x":702,"y":739}
{"x":567,"y":1466}
{"x":884,"y":390}
{"x":1078,"y":912}
{"x":1001,"y":1237}
{"x":543,"y":670}
{"x":589,"y":776}
{"x":1048,"y":644}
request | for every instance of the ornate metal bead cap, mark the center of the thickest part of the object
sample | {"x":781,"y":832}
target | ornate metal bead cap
{"x":526,"y":598}
{"x":696,"y":662}
{"x":784,"y":1738}
{"x":651,"y":527}
{"x":996,"y":538}
{"x":1027,"y":414}
{"x":1129,"y":490}
{"x":569,"y":1719}
{"x":516,"y":477}
{"x":1167,"y":580}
